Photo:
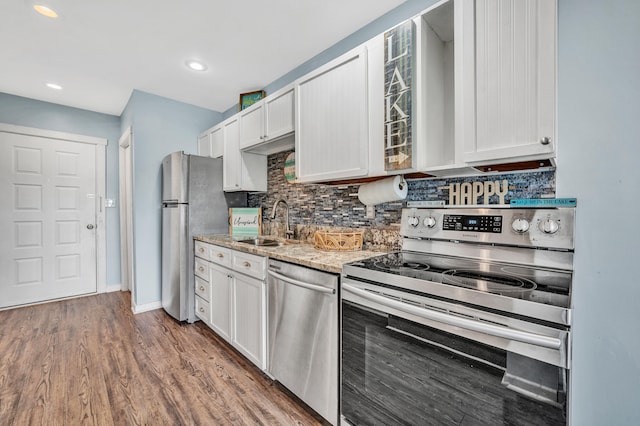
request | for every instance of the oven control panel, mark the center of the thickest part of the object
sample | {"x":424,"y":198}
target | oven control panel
{"x":452,"y":222}
{"x":537,"y":227}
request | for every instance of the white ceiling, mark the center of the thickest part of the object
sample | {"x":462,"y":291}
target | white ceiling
{"x":99,"y":51}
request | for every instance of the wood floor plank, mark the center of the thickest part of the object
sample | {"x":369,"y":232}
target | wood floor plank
{"x":91,"y":361}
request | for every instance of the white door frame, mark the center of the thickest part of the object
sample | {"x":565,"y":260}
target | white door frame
{"x":100,"y":168}
{"x":125,"y":149}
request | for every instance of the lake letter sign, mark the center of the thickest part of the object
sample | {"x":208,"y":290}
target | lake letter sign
{"x":398,"y":88}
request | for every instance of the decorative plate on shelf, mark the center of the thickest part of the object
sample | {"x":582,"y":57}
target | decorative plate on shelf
{"x":290,"y":168}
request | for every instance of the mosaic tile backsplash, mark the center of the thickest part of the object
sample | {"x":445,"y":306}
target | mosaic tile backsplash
{"x":327,"y":207}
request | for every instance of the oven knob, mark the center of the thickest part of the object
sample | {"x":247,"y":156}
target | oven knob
{"x":520,"y":225}
{"x":548,"y":226}
{"x":413,"y":221}
{"x":429,"y":221}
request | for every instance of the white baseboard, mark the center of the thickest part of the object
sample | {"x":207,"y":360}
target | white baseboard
{"x":113,"y":287}
{"x":137,"y":309}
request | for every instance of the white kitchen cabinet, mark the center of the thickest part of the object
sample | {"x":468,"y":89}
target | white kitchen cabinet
{"x":251,"y":125}
{"x":248,"y":318}
{"x":507,"y":74}
{"x":204,"y":144}
{"x":231,"y":298}
{"x":221,"y":281}
{"x":433,"y":143}
{"x":242,"y":171}
{"x":332,"y":120}
{"x":202,"y":283}
{"x":216,"y":137}
{"x":211,"y":142}
{"x":267,"y":127}
{"x":203,"y":310}
{"x":279,"y":113}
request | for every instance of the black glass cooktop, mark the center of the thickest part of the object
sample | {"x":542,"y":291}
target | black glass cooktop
{"x":522,"y":282}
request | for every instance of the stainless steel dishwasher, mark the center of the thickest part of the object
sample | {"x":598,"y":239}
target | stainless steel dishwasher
{"x":303,"y":334}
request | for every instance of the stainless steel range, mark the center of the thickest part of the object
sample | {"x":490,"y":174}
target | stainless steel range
{"x":469,"y":324}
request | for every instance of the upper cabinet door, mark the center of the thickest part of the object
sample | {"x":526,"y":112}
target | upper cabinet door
{"x":241,"y":171}
{"x":265,"y":124}
{"x":217,"y":142}
{"x":508,"y":69}
{"x":252,"y":125}
{"x":279,"y":113}
{"x":204,"y":145}
{"x":332,"y":120}
{"x":232,"y":161}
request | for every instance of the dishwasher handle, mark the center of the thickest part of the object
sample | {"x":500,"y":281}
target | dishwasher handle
{"x":301,"y":283}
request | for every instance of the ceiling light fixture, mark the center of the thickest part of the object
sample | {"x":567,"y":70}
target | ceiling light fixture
{"x":45,"y":10}
{"x":195,"y":65}
{"x":54,"y":86}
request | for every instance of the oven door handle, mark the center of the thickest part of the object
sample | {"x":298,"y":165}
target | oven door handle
{"x":468,"y":324}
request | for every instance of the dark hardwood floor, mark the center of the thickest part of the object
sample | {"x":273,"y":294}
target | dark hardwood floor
{"x":91,"y":361}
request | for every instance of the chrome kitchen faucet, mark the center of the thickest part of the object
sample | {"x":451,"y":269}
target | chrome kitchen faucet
{"x":288,"y":232}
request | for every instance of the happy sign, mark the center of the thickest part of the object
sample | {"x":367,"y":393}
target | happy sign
{"x":467,"y":193}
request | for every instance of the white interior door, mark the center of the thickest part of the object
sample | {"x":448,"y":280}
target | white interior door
{"x":47,"y":219}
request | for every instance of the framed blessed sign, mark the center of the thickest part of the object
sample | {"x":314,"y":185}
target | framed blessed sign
{"x":248,"y":99}
{"x":399,"y":65}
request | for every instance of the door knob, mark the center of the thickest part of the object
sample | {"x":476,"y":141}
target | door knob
{"x":90,"y":226}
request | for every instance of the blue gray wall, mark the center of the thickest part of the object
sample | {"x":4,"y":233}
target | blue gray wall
{"x":44,"y":115}
{"x":160,"y":126}
{"x":599,"y":148}
{"x":405,"y":11}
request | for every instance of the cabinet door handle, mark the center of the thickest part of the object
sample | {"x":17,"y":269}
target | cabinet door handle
{"x":545,"y":140}
{"x":201,"y":288}
{"x":220,"y":255}
{"x":246,"y":264}
{"x":201,"y":269}
{"x":201,"y":309}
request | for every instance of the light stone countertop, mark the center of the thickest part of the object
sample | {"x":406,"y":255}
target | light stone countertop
{"x":293,"y":251}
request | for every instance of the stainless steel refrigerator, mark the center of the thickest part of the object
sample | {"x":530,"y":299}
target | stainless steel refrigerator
{"x":193,"y":202}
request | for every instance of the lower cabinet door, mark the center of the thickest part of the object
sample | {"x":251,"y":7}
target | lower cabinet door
{"x":220,"y":301}
{"x":249,"y":318}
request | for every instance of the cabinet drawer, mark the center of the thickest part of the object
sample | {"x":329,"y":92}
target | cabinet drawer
{"x":203,"y":289}
{"x":202,"y":250}
{"x":203,"y":311}
{"x":202,"y":268}
{"x":250,"y":264}
{"x":220,"y":255}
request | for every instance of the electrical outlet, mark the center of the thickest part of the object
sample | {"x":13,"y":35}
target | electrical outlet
{"x":370,"y":212}
{"x":110,"y":202}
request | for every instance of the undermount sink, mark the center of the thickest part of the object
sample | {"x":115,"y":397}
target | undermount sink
{"x":262,"y":242}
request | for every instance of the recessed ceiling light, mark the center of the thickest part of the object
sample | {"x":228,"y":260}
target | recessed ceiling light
{"x":195,"y":65}
{"x":54,"y":86}
{"x":45,"y":10}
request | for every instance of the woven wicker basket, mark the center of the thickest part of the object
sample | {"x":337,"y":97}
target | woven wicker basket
{"x":338,"y":241}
